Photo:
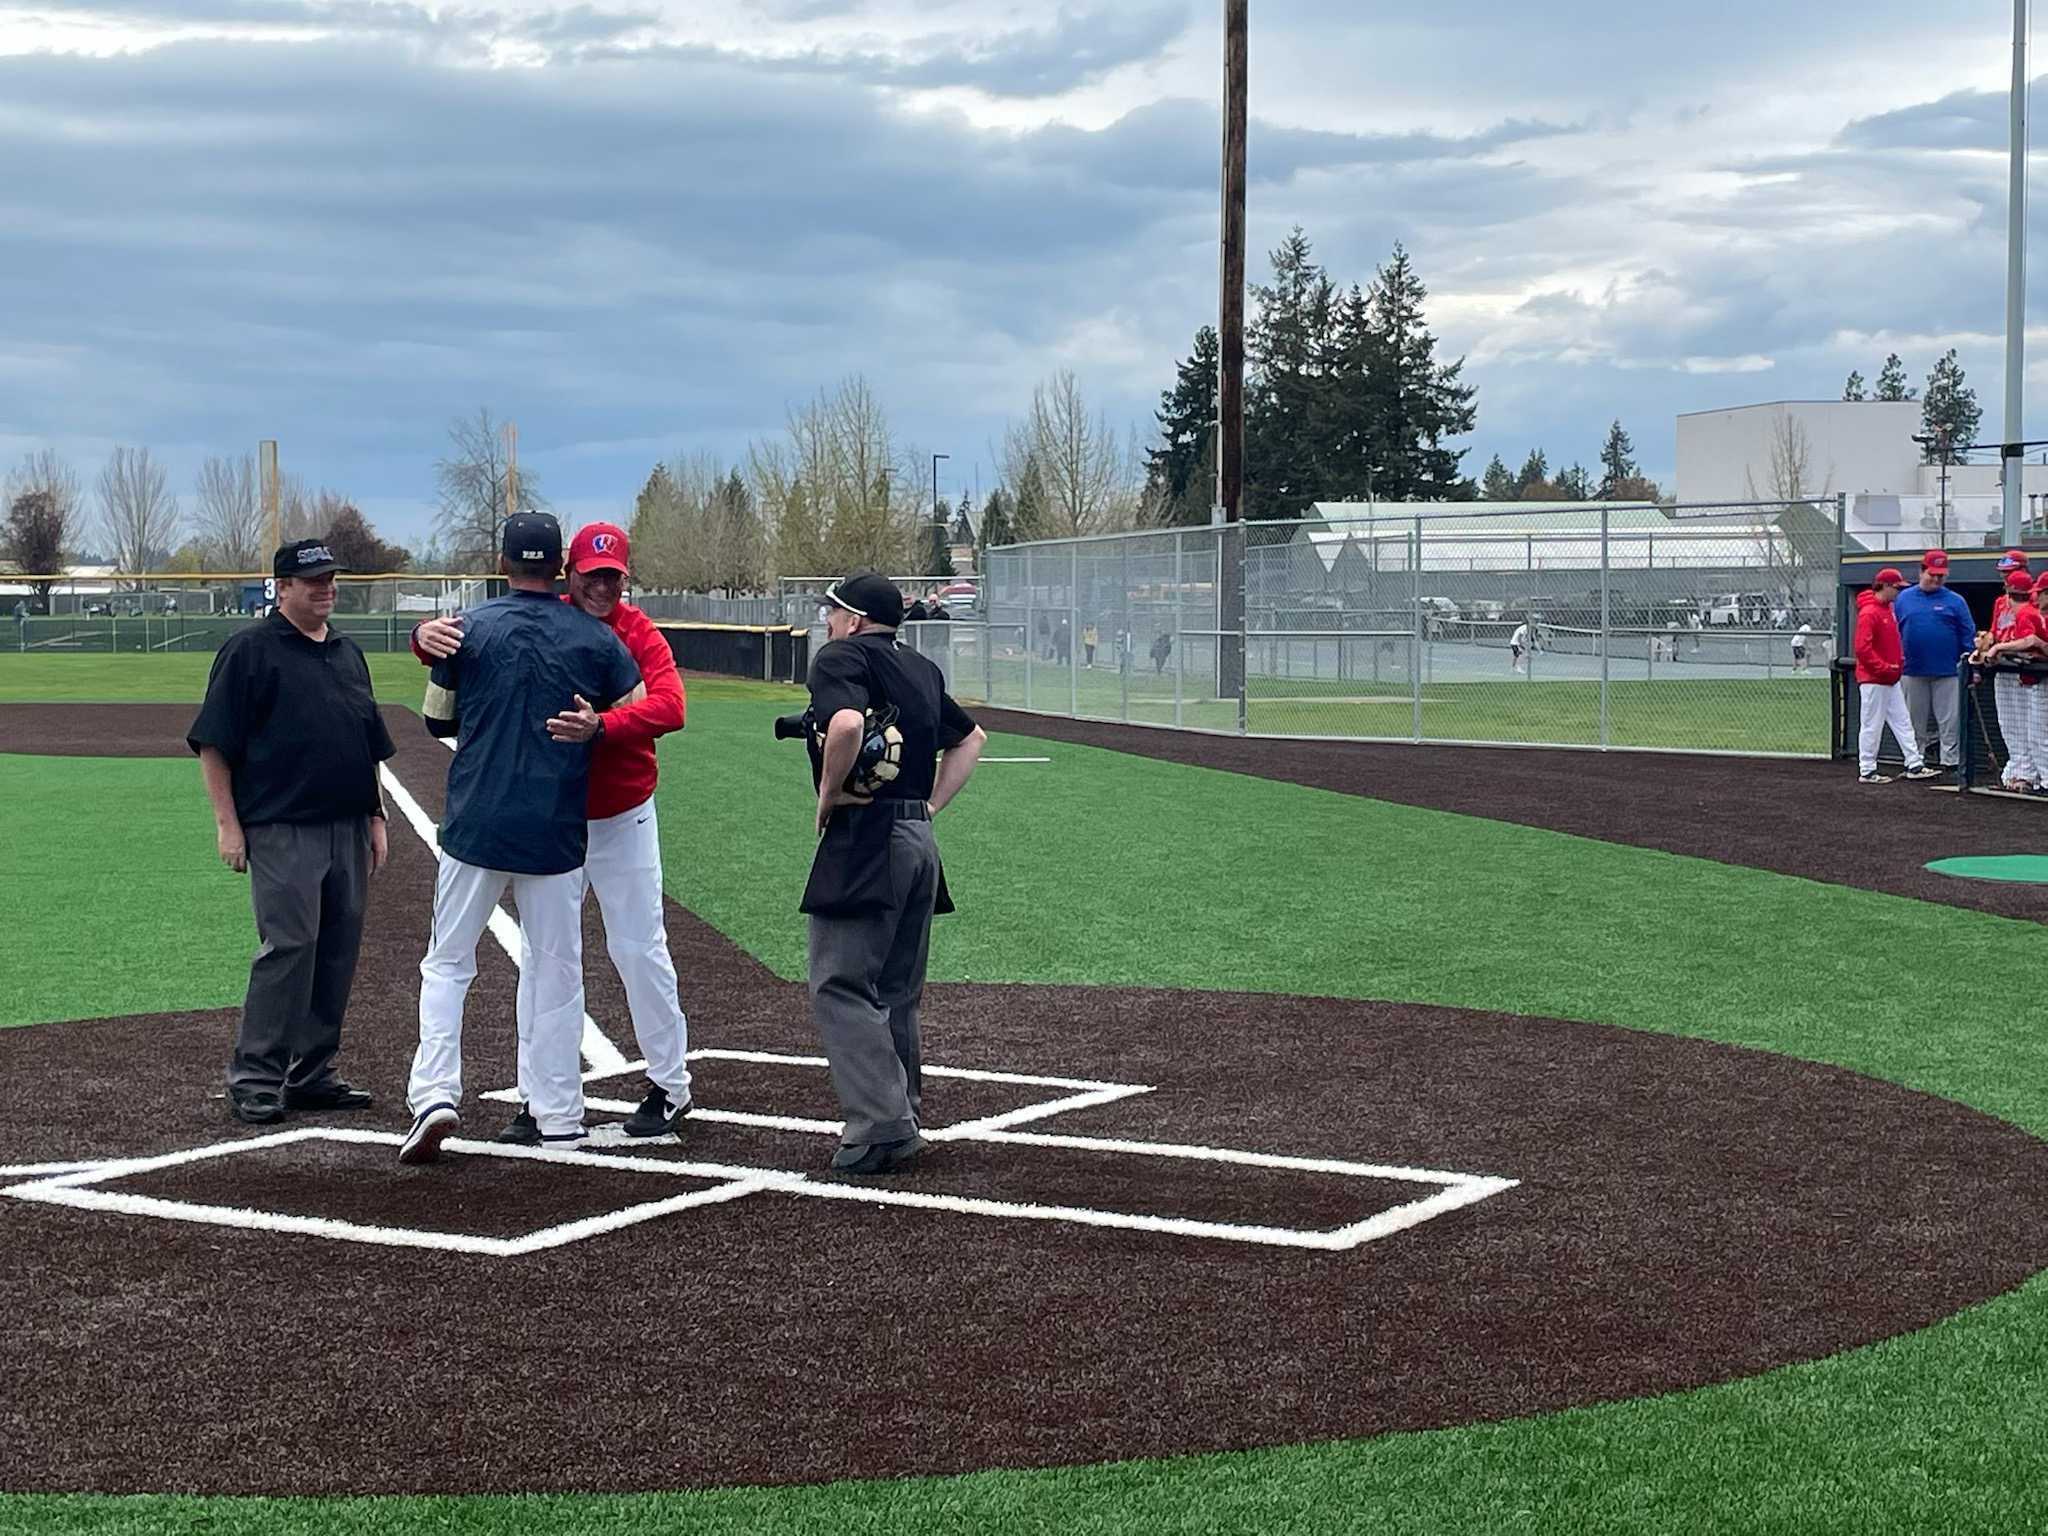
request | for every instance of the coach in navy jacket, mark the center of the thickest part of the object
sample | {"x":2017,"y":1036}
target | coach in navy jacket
{"x":1938,"y":632}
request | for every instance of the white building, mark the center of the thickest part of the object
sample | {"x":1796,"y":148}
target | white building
{"x":1861,"y":448}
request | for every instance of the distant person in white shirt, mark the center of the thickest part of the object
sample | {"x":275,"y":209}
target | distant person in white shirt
{"x":1520,"y":644}
{"x":1799,"y":643}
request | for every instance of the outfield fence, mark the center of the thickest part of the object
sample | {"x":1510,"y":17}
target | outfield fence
{"x":1687,"y":628}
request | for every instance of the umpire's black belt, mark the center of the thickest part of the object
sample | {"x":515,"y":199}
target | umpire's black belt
{"x":905,"y":810}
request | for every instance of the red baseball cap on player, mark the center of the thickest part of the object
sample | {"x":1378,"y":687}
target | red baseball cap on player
{"x":599,"y":547}
{"x":1934,"y":560}
{"x":2018,"y":581}
{"x":1888,"y":577}
{"x":2013,"y":560}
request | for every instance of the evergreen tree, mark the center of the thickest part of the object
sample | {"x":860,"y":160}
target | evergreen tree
{"x":1180,"y":472}
{"x":939,"y":544}
{"x":1416,"y":401}
{"x":1617,"y":463}
{"x":998,"y":526}
{"x":1285,"y":347}
{"x":1498,"y":485}
{"x":1950,"y":413}
{"x":1031,"y":514}
{"x":1534,"y":475}
{"x":1891,"y":381}
{"x":1853,"y":390}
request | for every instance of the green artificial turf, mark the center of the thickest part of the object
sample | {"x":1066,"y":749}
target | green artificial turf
{"x":1119,"y":870}
{"x":1777,"y":714}
{"x":113,"y":899}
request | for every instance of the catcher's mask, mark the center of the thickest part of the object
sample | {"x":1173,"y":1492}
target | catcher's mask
{"x":881,"y":752}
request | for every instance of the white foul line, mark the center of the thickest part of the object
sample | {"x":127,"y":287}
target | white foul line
{"x":604,"y":1057}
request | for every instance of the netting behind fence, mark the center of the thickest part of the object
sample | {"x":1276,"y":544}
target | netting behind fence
{"x":1588,"y":627}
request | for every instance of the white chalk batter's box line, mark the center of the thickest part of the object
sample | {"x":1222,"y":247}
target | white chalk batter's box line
{"x":79,"y":1185}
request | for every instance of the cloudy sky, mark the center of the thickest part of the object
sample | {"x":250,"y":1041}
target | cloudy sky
{"x":644,"y":227}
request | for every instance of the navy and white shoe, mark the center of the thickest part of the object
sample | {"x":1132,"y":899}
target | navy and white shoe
{"x":565,"y":1141}
{"x":430,"y":1127}
{"x":656,"y":1116}
{"x":1923,"y":772}
{"x":524,"y":1131}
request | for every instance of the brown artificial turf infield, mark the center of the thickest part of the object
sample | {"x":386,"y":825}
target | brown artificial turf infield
{"x":1688,"y":1213}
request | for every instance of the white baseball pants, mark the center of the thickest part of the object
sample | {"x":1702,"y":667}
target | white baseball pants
{"x":1885,"y":705}
{"x":2037,"y":699}
{"x":2016,"y":725}
{"x":550,"y":988}
{"x":623,"y":868}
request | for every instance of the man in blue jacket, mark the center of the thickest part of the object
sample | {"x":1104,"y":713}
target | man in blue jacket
{"x":1938,"y":632}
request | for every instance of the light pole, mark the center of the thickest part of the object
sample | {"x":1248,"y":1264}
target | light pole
{"x":938,"y":524}
{"x":2010,"y":456}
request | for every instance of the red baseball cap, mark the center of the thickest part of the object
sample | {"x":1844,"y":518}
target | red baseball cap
{"x":1934,"y":560}
{"x":2013,"y":559}
{"x":599,"y":547}
{"x":1888,"y":577}
{"x":2018,"y":581}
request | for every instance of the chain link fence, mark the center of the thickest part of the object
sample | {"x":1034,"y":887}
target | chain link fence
{"x":1687,"y":628}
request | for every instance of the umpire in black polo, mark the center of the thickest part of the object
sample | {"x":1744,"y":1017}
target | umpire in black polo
{"x":289,"y":740}
{"x":875,"y":880}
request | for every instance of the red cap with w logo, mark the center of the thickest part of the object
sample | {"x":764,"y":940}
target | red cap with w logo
{"x":598,"y":547}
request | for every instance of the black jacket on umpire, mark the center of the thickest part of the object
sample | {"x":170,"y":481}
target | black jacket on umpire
{"x":870,"y":671}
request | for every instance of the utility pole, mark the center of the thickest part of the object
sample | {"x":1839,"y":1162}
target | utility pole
{"x":939,"y":540}
{"x":2010,"y":458}
{"x":1229,"y":513}
{"x":266,"y":469}
{"x":511,"y":470}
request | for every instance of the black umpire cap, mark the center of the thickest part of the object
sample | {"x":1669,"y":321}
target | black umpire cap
{"x":533,"y":536}
{"x":871,"y":595}
{"x":304,"y":557}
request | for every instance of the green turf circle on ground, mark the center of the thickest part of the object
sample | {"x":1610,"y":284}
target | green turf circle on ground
{"x":2018,"y":868}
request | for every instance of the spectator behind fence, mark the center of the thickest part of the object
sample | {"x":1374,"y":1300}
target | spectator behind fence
{"x":1880,"y":663}
{"x":1937,"y":632}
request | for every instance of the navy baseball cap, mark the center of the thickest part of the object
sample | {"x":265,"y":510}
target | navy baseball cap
{"x":304,"y":557}
{"x":533,"y":536}
{"x":870,"y":594}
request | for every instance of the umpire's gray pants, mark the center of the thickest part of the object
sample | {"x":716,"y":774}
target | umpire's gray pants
{"x":867,"y":977}
{"x":1934,"y":704}
{"x":307,"y":883}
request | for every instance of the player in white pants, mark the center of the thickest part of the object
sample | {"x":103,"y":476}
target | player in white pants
{"x":623,"y":870}
{"x":1884,"y":704}
{"x":2015,"y":708}
{"x":550,"y":984}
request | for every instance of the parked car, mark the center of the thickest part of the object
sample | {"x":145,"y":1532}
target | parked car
{"x":1745,"y":609}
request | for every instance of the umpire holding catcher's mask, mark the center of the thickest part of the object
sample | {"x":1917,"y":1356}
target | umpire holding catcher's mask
{"x":875,"y":880}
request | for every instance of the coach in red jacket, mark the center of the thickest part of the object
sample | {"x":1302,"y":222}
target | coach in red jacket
{"x":623,"y":865}
{"x":1880,"y":663}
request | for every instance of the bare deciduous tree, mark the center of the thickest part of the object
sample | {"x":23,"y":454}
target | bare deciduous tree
{"x":1799,"y":545}
{"x":228,"y":515}
{"x":138,"y":514}
{"x":838,"y":492}
{"x":1086,"y":477}
{"x":471,"y":484}
{"x":40,"y":502}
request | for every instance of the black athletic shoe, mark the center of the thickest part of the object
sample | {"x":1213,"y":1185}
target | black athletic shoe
{"x":524,"y":1131}
{"x":430,"y":1127}
{"x":256,"y":1108}
{"x":656,"y":1116}
{"x":879,"y":1157}
{"x":322,"y":1098}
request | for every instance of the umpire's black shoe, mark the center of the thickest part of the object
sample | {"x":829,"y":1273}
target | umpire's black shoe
{"x":320,"y":1098}
{"x":524,"y":1131}
{"x":879,"y":1157}
{"x":656,"y":1116}
{"x":259,"y":1108}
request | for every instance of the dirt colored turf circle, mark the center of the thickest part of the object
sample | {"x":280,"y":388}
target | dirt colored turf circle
{"x":1687,"y":1213}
